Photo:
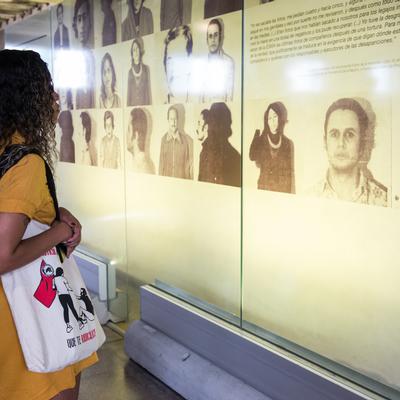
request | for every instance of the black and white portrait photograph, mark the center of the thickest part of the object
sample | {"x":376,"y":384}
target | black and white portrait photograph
{"x":67,"y":145}
{"x":109,"y":25}
{"x":110,"y":143}
{"x":273,"y":152}
{"x":349,"y":138}
{"x":82,"y":23}
{"x":174,"y":13}
{"x":176,"y":149}
{"x":85,"y":93}
{"x":138,"y":141}
{"x":109,"y":96}
{"x":137,"y":19}
{"x":216,"y":72}
{"x":213,"y":8}
{"x":61,"y":34}
{"x":219,"y":161}
{"x":138,"y":89}
{"x":177,"y":62}
{"x":65,"y":98}
{"x":85,"y":137}
{"x":219,"y":69}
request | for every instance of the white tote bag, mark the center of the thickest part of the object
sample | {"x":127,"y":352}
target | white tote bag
{"x":53,"y":314}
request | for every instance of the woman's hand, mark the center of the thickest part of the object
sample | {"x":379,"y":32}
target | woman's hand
{"x":73,"y":223}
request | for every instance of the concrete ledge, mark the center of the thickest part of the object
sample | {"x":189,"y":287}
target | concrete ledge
{"x":218,"y":347}
{"x":190,"y":375}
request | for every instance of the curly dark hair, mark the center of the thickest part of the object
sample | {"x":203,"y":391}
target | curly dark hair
{"x":26,"y":101}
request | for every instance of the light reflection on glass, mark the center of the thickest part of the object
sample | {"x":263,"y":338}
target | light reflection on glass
{"x":382,"y":79}
{"x":306,"y":75}
{"x":178,"y":70}
{"x":202,"y":76}
{"x":70,"y":69}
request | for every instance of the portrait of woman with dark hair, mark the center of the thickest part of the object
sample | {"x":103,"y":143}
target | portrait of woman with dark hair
{"x":138,"y":142}
{"x":273,"y":152}
{"x":108,"y":95}
{"x":139,"y":92}
{"x":89,"y":153}
{"x":67,"y":145}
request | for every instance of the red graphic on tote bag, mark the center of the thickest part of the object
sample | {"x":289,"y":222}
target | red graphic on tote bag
{"x":45,"y":292}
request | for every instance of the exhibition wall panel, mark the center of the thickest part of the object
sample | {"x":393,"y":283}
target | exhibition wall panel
{"x":320,"y":180}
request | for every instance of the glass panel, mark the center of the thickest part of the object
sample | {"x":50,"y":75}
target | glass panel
{"x":183,"y":204}
{"x":319,"y":222}
{"x":91,"y":177}
{"x":181,"y":232}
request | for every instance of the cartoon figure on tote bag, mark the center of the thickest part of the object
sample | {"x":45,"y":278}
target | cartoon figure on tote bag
{"x":86,"y":310}
{"x":45,"y":293}
{"x":61,"y":285}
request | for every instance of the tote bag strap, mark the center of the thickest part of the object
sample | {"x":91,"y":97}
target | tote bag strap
{"x":14,"y":153}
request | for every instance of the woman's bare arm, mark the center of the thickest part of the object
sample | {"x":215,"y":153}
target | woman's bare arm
{"x":15,"y":252}
{"x":74,"y":224}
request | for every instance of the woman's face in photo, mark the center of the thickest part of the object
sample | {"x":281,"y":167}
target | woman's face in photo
{"x":137,"y":5}
{"x":136,"y":54}
{"x":107,"y":74}
{"x":273,"y":121}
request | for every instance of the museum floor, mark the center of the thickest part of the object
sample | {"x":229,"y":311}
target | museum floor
{"x":116,"y":377}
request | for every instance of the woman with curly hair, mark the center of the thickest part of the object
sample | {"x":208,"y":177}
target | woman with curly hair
{"x":28,"y":114}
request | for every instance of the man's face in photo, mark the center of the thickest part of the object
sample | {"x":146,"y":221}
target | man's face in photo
{"x":83,"y":23}
{"x":343,"y":138}
{"x":173,"y":121}
{"x":108,"y":126}
{"x":202,"y":129}
{"x":213,"y":38}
